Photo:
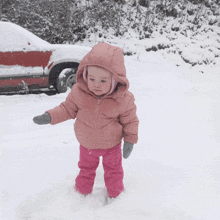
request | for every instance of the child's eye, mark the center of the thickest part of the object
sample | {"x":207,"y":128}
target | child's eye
{"x":103,"y":81}
{"x":91,"y":79}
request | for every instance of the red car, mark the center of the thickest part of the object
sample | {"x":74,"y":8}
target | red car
{"x":28,"y":62}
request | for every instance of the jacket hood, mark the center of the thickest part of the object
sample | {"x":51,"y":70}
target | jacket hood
{"x":109,"y":57}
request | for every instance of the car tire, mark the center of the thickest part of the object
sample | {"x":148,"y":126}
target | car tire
{"x":66,"y":79}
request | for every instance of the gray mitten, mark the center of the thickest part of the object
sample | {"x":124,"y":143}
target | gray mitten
{"x":42,"y":119}
{"x":127,"y":148}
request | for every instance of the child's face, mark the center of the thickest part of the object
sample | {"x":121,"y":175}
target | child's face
{"x":99,"y":80}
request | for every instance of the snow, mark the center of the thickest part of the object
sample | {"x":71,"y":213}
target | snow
{"x":17,"y":70}
{"x":17,"y":41}
{"x":173,"y":172}
{"x":68,"y":53}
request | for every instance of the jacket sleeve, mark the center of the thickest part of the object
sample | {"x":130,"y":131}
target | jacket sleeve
{"x":130,"y":122}
{"x":65,"y":111}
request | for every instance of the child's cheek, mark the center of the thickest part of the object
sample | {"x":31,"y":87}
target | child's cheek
{"x":89,"y":86}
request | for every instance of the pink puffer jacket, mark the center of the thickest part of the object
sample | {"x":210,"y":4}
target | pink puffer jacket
{"x":100,"y":123}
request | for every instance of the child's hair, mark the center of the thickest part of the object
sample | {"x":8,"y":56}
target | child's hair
{"x":114,"y":82}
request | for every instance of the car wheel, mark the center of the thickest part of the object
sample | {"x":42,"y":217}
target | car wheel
{"x":65,"y":80}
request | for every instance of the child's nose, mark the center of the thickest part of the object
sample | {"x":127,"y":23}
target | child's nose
{"x":97,"y":84}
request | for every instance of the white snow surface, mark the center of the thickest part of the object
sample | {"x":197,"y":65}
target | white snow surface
{"x":14,"y":37}
{"x":173,"y":172}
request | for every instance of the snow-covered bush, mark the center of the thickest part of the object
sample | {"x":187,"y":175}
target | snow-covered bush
{"x":196,"y":55}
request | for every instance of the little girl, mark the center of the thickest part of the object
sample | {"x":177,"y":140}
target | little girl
{"x":105,"y":114}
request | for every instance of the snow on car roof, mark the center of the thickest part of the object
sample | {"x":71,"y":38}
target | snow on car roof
{"x":13,"y":37}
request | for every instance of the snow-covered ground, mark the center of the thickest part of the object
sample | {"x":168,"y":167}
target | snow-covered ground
{"x":173,"y":172}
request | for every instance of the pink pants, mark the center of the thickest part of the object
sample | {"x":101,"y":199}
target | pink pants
{"x":112,"y":164}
